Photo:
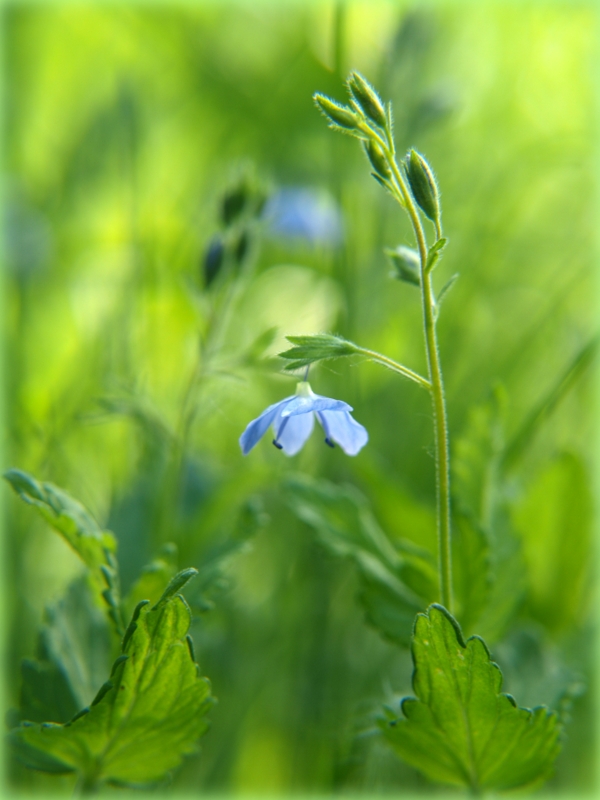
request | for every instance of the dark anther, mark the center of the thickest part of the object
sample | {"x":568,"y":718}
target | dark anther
{"x":277,"y":445}
{"x":329,"y":442}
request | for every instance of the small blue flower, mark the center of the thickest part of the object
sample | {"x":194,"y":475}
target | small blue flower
{"x":293,"y":420}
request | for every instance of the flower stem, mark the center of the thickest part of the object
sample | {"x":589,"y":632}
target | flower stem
{"x":395,"y":367}
{"x":442,"y":454}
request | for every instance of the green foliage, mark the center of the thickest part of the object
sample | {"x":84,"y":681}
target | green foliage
{"x":68,"y":517}
{"x":73,"y":657}
{"x":150,"y":585}
{"x":460,"y":729}
{"x":319,"y":347}
{"x":145,"y":718}
{"x":397,"y":579}
{"x":484,"y":530}
{"x":554,"y":521}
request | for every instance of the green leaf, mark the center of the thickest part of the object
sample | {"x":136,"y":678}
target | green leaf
{"x":481,"y":496}
{"x":471,"y":569}
{"x":397,"y":578}
{"x":217,"y":558}
{"x":145,"y":718}
{"x":78,"y":527}
{"x":150,"y":585}
{"x":460,"y":729}
{"x":554,"y":520}
{"x":434,"y":253}
{"x":309,"y":349}
{"x":444,"y":293}
{"x":73,"y":658}
{"x":537,"y":416}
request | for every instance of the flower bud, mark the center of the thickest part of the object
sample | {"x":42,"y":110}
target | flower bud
{"x":423,"y":184}
{"x":213,"y":260}
{"x":367,"y":99}
{"x":233,"y":204}
{"x":336,"y":113}
{"x":377,"y":158}
{"x":406,"y":263}
{"x":241,"y":247}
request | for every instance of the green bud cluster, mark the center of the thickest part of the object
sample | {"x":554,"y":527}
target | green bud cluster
{"x":240,"y":206}
{"x":367,"y":100}
{"x":365,"y":110}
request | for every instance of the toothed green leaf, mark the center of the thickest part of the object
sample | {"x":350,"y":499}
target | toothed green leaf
{"x":144,"y":719}
{"x":460,"y":729}
{"x":309,"y":349}
{"x":398,"y":579}
{"x":78,"y":527}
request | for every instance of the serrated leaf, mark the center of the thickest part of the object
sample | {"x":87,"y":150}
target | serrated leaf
{"x":480,"y":495}
{"x":145,"y":719}
{"x":471,"y":570}
{"x":73,"y":658}
{"x":151,"y":583}
{"x":397,"y":578}
{"x":460,"y":729}
{"x":310,"y":349}
{"x":78,"y":527}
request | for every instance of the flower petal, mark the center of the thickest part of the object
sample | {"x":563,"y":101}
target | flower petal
{"x":302,"y":405}
{"x":294,"y":431}
{"x":256,"y":429}
{"x":345,"y":430}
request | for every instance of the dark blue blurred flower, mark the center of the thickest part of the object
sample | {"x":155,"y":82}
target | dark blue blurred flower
{"x":293,"y":420}
{"x":305,"y":214}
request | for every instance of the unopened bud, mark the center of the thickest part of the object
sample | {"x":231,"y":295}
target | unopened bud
{"x":240,"y":247}
{"x":367,"y":99}
{"x":423,"y":184}
{"x":377,"y":158}
{"x":233,"y":204}
{"x":213,"y":260}
{"x":335,"y":113}
{"x":407,"y":265}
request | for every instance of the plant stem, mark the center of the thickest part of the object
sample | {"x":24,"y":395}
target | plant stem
{"x":442,"y":454}
{"x":395,"y":367}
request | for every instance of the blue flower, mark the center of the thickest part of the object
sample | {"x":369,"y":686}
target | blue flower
{"x":294,"y":417}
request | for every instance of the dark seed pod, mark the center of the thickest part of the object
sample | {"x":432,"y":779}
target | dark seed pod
{"x":233,"y":204}
{"x":423,"y":184}
{"x":368,"y":99}
{"x":213,"y":260}
{"x":241,"y":247}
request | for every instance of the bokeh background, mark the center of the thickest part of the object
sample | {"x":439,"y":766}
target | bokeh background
{"x":125,"y":127}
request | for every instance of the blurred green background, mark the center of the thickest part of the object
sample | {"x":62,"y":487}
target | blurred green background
{"x":125,"y":126}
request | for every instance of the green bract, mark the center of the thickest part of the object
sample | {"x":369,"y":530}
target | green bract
{"x":144,"y":720}
{"x":460,"y":729}
{"x":309,"y":349}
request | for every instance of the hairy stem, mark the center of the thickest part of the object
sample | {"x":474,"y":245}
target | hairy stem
{"x":395,"y":367}
{"x":442,"y":454}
